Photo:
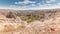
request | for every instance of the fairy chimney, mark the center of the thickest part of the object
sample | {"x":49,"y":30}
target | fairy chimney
{"x":11,"y":15}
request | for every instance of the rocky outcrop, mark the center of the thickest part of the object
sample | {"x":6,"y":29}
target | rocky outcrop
{"x":15,"y":25}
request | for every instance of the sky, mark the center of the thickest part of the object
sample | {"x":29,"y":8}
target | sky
{"x":29,"y":4}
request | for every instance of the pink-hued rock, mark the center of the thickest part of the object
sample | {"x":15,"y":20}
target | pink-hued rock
{"x":18,"y":26}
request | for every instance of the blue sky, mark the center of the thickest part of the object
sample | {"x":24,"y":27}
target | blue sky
{"x":29,"y":4}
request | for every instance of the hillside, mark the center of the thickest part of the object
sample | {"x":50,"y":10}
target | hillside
{"x":29,"y":21}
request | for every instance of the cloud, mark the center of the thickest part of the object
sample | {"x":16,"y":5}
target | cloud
{"x":24,"y":2}
{"x":50,"y":1}
{"x":24,"y":7}
{"x":50,"y":6}
{"x":35,"y":6}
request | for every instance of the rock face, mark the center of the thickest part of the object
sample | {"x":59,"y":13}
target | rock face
{"x":11,"y":24}
{"x":11,"y":15}
{"x":14,"y":25}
